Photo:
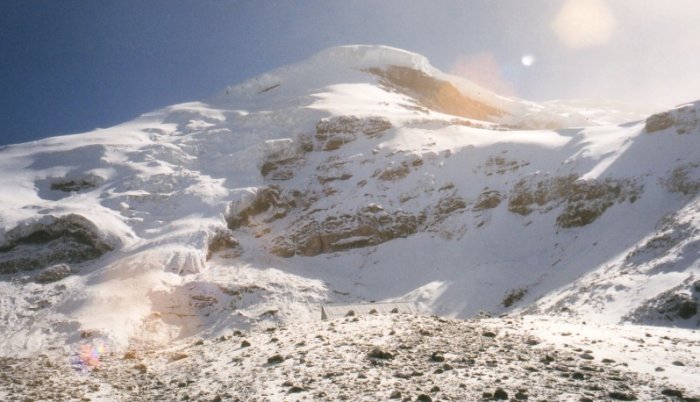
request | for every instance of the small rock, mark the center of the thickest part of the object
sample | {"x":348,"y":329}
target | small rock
{"x":678,"y":363}
{"x":521,"y":396}
{"x":489,"y":334}
{"x":622,"y":396}
{"x":672,"y":392}
{"x":129,"y":355}
{"x":500,"y":394}
{"x":437,"y":357}
{"x":245,"y":344}
{"x":141,"y":368}
{"x":435,"y":389}
{"x":396,"y":394}
{"x":586,"y":356}
{"x":378,"y":353}
{"x":424,"y":398}
{"x":295,"y":390}
{"x":275,"y":359}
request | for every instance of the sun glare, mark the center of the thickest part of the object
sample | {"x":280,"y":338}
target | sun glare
{"x":584,"y":23}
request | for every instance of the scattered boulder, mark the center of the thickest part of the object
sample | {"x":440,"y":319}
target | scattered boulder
{"x":378,"y":353}
{"x":275,"y":359}
{"x":500,"y":394}
{"x":622,"y":396}
{"x":424,"y":398}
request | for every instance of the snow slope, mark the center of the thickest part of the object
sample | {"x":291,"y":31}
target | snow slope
{"x":361,"y":174}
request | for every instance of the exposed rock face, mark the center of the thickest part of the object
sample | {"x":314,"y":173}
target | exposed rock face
{"x":673,"y":305}
{"x":68,"y":184}
{"x":223,"y":240}
{"x":434,"y":94}
{"x":266,"y":201}
{"x":683,"y":179}
{"x":488,"y":199}
{"x":332,"y":133}
{"x":584,"y":200}
{"x":685,"y":119}
{"x":368,"y":226}
{"x":53,"y":240}
{"x":53,"y":273}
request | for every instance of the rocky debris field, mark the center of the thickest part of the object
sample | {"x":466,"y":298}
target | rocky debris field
{"x":367,"y":358}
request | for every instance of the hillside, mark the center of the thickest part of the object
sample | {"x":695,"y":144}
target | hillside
{"x":361,"y":174}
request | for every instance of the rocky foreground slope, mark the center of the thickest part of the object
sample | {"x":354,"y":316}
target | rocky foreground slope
{"x":371,"y":358}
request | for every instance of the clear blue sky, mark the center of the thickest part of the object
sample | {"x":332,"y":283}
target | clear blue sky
{"x":69,"y":66}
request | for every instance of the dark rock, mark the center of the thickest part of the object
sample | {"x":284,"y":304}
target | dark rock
{"x":622,"y":396}
{"x":678,"y":363}
{"x":489,"y":334}
{"x":396,"y":394}
{"x":276,"y":359}
{"x":378,"y":353}
{"x":424,"y":398}
{"x":500,"y":394}
{"x":435,"y":389}
{"x":586,"y":356}
{"x":521,"y":396}
{"x":577,"y":376}
{"x":437,"y":357}
{"x":672,"y":392}
{"x":245,"y":344}
{"x":295,"y":390}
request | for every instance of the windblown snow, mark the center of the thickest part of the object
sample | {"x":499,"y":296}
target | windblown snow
{"x":362,"y":174}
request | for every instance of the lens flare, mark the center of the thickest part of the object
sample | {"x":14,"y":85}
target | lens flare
{"x":88,"y":356}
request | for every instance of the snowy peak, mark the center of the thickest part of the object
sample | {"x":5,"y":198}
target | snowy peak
{"x":360,"y":174}
{"x":417,"y":87}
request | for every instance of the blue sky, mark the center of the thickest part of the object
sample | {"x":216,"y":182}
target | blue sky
{"x":70,"y":66}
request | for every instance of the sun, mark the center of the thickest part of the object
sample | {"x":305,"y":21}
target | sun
{"x":527,"y":60}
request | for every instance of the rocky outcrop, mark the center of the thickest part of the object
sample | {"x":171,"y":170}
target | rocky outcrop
{"x":53,"y":273}
{"x":368,"y":226}
{"x":684,"y":119}
{"x":267,"y":204}
{"x":677,"y":304}
{"x":488,"y":199}
{"x":333,"y":133}
{"x":223,"y":241}
{"x":51,"y":240}
{"x":684,"y":179}
{"x":584,"y":200}
{"x":75,"y":184}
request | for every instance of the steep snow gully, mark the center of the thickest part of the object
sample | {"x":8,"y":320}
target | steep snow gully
{"x":360,"y":175}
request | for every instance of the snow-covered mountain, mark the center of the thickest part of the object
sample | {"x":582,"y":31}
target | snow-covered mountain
{"x":360,"y":174}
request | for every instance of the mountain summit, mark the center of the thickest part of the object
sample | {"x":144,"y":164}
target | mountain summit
{"x":361,"y":174}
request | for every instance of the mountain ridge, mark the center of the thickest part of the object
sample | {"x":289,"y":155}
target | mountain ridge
{"x":327,"y":182}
